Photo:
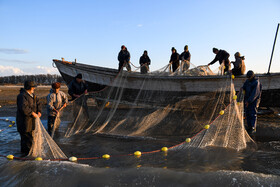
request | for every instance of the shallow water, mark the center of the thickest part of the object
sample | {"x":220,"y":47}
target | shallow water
{"x":180,"y":167}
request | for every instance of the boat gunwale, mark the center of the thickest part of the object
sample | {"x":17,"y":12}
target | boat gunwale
{"x":113,"y":72}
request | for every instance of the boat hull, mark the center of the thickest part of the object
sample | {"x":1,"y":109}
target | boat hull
{"x":98,"y":78}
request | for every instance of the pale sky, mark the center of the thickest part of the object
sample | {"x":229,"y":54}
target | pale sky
{"x":32,"y":33}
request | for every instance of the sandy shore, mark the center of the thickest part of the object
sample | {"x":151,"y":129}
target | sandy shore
{"x":268,"y":126}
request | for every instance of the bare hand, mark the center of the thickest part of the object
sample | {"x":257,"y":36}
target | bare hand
{"x":34,"y":115}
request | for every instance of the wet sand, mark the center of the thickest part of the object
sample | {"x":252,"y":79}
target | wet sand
{"x":268,"y":126}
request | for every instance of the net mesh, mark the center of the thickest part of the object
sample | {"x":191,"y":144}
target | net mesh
{"x":157,"y":113}
{"x":43,"y":145}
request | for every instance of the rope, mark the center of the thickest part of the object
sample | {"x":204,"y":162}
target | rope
{"x":11,"y":125}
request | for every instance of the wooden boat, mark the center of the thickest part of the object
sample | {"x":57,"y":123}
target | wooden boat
{"x":99,"y":78}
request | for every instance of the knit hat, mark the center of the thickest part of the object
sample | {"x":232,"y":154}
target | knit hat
{"x":79,"y":76}
{"x":237,"y":54}
{"x":250,"y":74}
{"x":28,"y":84}
{"x":215,"y":49}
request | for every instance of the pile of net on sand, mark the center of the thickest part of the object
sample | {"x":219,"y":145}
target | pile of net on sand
{"x":118,"y":111}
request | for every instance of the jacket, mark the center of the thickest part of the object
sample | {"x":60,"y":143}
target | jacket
{"x":253,"y":89}
{"x":239,"y":66}
{"x":55,"y":101}
{"x":186,"y":55}
{"x":144,"y":60}
{"x":77,"y":88}
{"x":124,"y":55}
{"x":174,"y":58}
{"x":26,"y":104}
{"x":221,"y":56}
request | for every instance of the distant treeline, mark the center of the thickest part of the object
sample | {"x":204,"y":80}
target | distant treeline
{"x":39,"y":79}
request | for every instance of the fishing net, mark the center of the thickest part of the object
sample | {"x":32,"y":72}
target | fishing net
{"x":154,"y":107}
{"x":43,"y":145}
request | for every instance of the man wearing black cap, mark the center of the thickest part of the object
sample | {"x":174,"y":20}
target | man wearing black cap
{"x":28,"y":108}
{"x":253,"y":89}
{"x":77,"y":87}
{"x":124,"y":59}
{"x":174,"y":59}
{"x":185,"y":58}
{"x":221,"y":56}
{"x":144,"y":61}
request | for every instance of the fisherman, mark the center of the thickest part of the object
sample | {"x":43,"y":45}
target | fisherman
{"x":28,"y":108}
{"x":124,"y":58}
{"x":77,"y":87}
{"x":221,"y":56}
{"x":185,"y":59}
{"x":174,"y":59}
{"x":144,"y":62}
{"x":239,"y":65}
{"x":56,"y":101}
{"x":253,"y":89}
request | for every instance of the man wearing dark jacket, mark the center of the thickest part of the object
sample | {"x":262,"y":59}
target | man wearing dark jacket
{"x":174,"y":59}
{"x":144,"y":62}
{"x":28,"y":108}
{"x":253,"y":89}
{"x":124,"y":58}
{"x":77,"y":87}
{"x":185,"y":58}
{"x":238,"y":65}
{"x":221,"y":56}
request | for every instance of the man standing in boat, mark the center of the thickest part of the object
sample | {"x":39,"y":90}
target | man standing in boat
{"x":238,"y":65}
{"x":174,"y":59}
{"x":221,"y":56}
{"x":185,"y":59}
{"x":28,"y":108}
{"x":253,"y":89}
{"x":124,"y":58}
{"x":144,"y":62}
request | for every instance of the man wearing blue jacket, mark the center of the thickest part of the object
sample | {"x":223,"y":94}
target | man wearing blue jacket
{"x":253,"y":89}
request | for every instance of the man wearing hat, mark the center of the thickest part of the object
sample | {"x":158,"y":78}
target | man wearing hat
{"x":56,"y":101}
{"x":221,"y":56}
{"x":144,"y":62}
{"x":174,"y":59}
{"x":185,"y":58}
{"x":77,"y":87}
{"x":238,"y":65}
{"x":28,"y":108}
{"x":124,"y":58}
{"x":253,"y":89}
